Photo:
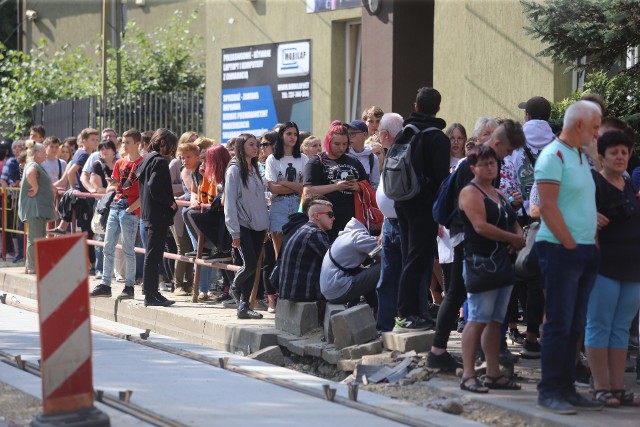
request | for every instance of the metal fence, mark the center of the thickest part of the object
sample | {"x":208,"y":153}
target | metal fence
{"x":178,"y":111}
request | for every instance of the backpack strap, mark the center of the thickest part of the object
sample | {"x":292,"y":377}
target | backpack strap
{"x":529,"y":155}
{"x":59,"y":168}
{"x":349,"y":271}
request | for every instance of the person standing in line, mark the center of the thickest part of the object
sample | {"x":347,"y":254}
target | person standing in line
{"x":567,"y":254}
{"x":35,"y":203}
{"x":418,"y":230}
{"x":123,"y":216}
{"x":157,"y":209}
{"x":246,"y":217}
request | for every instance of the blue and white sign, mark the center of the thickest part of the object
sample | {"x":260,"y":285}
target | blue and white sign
{"x":264,"y":85}
{"x":293,"y":59}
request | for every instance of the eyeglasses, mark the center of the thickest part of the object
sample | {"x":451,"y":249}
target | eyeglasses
{"x":330,"y":214}
{"x":486,"y":165}
{"x":454,"y":139}
{"x":265,"y":144}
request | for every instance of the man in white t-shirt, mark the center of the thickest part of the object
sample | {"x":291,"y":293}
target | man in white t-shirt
{"x":53,"y":165}
{"x":358,"y":133}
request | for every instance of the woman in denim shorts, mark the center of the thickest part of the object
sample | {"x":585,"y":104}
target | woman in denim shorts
{"x":283,"y":173}
{"x":490,"y":229}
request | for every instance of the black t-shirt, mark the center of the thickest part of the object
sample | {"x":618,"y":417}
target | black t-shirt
{"x":328,"y":171}
{"x":101,"y":169}
{"x":80,"y":159}
{"x":620,"y":239}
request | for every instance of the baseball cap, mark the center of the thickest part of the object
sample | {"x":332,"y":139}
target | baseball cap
{"x":359,"y":125}
{"x":537,"y":107}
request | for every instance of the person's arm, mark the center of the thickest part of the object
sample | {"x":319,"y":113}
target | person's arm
{"x":71,"y":175}
{"x":96,"y":183}
{"x":550,"y":212}
{"x":135,"y":205}
{"x":285,"y":187}
{"x":472,"y":204}
{"x":32,"y":179}
{"x":321,"y":190}
{"x":85,"y":179}
{"x":232,"y":183}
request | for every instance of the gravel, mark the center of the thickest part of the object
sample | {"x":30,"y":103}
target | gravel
{"x":17,"y":409}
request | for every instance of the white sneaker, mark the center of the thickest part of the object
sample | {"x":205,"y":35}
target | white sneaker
{"x":165,"y":286}
{"x":98,"y":275}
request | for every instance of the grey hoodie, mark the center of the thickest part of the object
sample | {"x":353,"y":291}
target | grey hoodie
{"x":244,"y":206}
{"x":350,"y":249}
{"x":372,"y":168}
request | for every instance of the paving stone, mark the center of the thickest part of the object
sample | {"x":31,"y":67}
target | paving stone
{"x":352,"y":326}
{"x":297,"y":346}
{"x":283,"y":339}
{"x":404,"y":342}
{"x":331,"y":355}
{"x":348,"y":365}
{"x":360,"y":350}
{"x":378,"y":359}
{"x":329,"y":311}
{"x":297,"y":318}
{"x":271,"y":354}
{"x":314,"y":348}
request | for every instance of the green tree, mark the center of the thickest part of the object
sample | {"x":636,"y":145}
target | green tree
{"x":157,"y":61}
{"x":600,"y":30}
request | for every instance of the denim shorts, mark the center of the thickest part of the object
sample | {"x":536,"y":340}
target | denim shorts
{"x":281,"y":207}
{"x":484,"y":307}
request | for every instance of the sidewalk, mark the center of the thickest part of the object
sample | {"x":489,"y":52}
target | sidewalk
{"x":211,"y":325}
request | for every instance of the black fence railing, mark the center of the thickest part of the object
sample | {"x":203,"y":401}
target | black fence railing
{"x":178,"y":111}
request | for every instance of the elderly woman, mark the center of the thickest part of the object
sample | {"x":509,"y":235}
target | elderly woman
{"x":35,"y":205}
{"x":615,"y":297}
{"x":334,"y":174}
{"x":490,"y":233}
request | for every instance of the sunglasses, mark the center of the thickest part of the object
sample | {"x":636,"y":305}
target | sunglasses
{"x":330,"y":214}
{"x":265,"y":144}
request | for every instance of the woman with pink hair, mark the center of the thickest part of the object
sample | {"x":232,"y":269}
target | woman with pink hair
{"x":335,"y":174}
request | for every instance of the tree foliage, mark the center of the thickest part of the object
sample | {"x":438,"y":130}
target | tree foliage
{"x":600,"y":30}
{"x":163,"y":60}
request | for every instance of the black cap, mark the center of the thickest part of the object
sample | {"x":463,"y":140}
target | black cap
{"x":537,"y":107}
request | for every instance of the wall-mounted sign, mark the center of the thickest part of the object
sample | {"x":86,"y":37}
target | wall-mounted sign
{"x":314,"y":6}
{"x":265,"y":85}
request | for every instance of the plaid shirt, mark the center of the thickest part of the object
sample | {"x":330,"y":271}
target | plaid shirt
{"x":300,"y":263}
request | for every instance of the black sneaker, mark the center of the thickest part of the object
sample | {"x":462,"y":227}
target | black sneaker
{"x":412,"y":324}
{"x":445,"y":362}
{"x":531,"y":350}
{"x":557,"y":405}
{"x":244,"y":312}
{"x":223,"y":297}
{"x":127,"y":293}
{"x":157,"y":300}
{"x":101,"y":291}
{"x":516,"y":337}
{"x":582,"y":402}
{"x":583,"y":375}
{"x":507,"y":358}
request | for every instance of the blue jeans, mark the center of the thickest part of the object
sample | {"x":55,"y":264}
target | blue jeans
{"x":120,"y":221}
{"x":567,"y":278}
{"x":390,"y":269}
{"x":99,"y":253}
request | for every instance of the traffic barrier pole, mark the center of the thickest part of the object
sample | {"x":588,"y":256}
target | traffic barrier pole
{"x":65,"y":334}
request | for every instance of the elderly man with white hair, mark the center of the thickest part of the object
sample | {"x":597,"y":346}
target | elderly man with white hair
{"x":567,"y":254}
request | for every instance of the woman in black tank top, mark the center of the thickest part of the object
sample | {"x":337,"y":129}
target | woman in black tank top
{"x":490,"y":231}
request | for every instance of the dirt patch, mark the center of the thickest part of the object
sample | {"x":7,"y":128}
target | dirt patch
{"x":17,"y":409}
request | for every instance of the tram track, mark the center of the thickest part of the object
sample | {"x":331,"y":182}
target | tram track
{"x":326,"y":392}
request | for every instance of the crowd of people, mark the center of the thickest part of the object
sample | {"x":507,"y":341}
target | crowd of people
{"x":319,"y":220}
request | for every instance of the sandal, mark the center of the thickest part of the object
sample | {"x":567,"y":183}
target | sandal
{"x":495,"y":385}
{"x":476,"y":387}
{"x":203,"y":297}
{"x":626,"y":398}
{"x":606,"y":398}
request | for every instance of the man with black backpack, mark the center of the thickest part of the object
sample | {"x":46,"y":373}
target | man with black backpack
{"x":429,"y":158}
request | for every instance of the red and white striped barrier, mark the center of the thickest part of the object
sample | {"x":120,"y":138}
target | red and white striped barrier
{"x":65,"y":329}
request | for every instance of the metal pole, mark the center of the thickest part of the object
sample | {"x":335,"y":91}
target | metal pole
{"x":104,"y":59}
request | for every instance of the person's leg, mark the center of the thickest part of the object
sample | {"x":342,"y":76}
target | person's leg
{"x":437,"y":283}
{"x":250,"y":246}
{"x":625,"y":311}
{"x":391,"y":266}
{"x":454,"y":296}
{"x":112,"y":234}
{"x":36,"y":229}
{"x":419,"y":231}
{"x":183,"y":244}
{"x":128,"y":224}
{"x":600,"y":314}
{"x":155,"y":237}
{"x":490,"y":340}
{"x":99,"y":255}
{"x":364,"y":283}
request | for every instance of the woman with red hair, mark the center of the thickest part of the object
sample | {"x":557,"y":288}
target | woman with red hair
{"x":335,"y":174}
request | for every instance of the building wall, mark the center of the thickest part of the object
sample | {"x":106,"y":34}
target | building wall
{"x":232,"y":23}
{"x":78,"y":22}
{"x":485,"y":64}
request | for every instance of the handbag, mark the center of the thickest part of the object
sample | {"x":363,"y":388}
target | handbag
{"x":486,"y":273}
{"x":101,"y":214}
{"x":526,"y":266}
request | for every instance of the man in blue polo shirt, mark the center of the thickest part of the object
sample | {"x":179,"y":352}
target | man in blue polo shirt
{"x":567,"y":254}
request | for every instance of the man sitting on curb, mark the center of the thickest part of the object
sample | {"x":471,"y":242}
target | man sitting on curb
{"x":342,"y":280}
{"x":302,"y":255}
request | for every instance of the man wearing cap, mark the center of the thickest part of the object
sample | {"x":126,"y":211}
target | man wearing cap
{"x":358,"y":133}
{"x":516,"y":179}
